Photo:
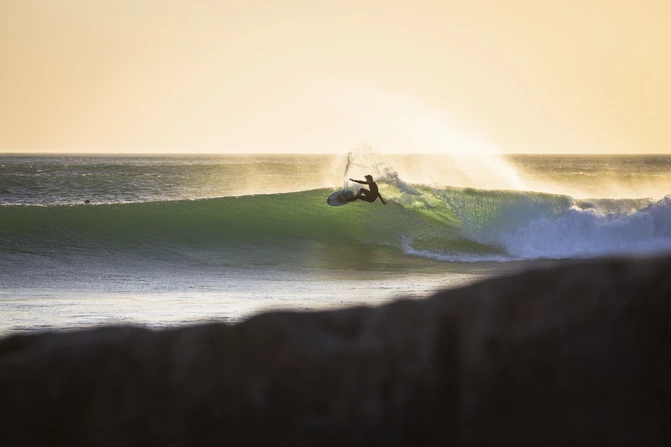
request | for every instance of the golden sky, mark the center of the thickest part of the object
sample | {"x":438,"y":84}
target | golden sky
{"x":323,"y":76}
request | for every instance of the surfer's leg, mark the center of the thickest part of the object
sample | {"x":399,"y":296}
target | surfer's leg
{"x":363,"y":194}
{"x":367,"y":195}
{"x":358,"y":195}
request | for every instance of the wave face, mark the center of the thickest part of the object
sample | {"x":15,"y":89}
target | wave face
{"x":443,"y":224}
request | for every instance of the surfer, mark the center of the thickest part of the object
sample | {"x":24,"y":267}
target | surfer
{"x":364,"y":194}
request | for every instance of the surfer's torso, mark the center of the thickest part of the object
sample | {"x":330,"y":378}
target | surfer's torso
{"x":373,"y":189}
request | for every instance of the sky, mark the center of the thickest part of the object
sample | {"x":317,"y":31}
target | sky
{"x":200,"y":76}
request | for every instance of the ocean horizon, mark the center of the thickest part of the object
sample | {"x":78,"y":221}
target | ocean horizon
{"x":167,"y":239}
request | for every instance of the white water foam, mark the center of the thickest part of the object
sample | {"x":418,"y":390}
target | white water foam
{"x":528,"y":226}
{"x":578,"y":233}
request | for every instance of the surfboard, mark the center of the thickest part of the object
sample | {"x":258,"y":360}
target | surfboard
{"x":339,"y":198}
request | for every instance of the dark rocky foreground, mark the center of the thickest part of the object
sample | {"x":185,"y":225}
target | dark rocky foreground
{"x":574,"y":355}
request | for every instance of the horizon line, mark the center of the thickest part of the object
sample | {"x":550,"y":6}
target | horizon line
{"x":326,"y":153}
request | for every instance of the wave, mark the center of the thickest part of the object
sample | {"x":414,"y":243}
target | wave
{"x":438,"y":223}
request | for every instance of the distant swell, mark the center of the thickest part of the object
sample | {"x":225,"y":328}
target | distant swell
{"x":443,"y":224}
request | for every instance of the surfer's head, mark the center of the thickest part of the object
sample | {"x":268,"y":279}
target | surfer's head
{"x":369,"y":178}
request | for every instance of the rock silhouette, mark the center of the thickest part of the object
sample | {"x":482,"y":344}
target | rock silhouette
{"x":576,"y":354}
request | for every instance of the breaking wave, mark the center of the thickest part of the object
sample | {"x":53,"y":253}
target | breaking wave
{"x":440,"y":223}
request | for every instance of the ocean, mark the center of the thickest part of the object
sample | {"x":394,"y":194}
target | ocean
{"x":181,"y":239}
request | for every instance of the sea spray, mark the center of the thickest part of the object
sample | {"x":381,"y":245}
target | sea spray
{"x":363,"y":160}
{"x":397,"y":123}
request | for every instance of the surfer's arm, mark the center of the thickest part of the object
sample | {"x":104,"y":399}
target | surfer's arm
{"x":380,"y":195}
{"x":359,"y":181}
